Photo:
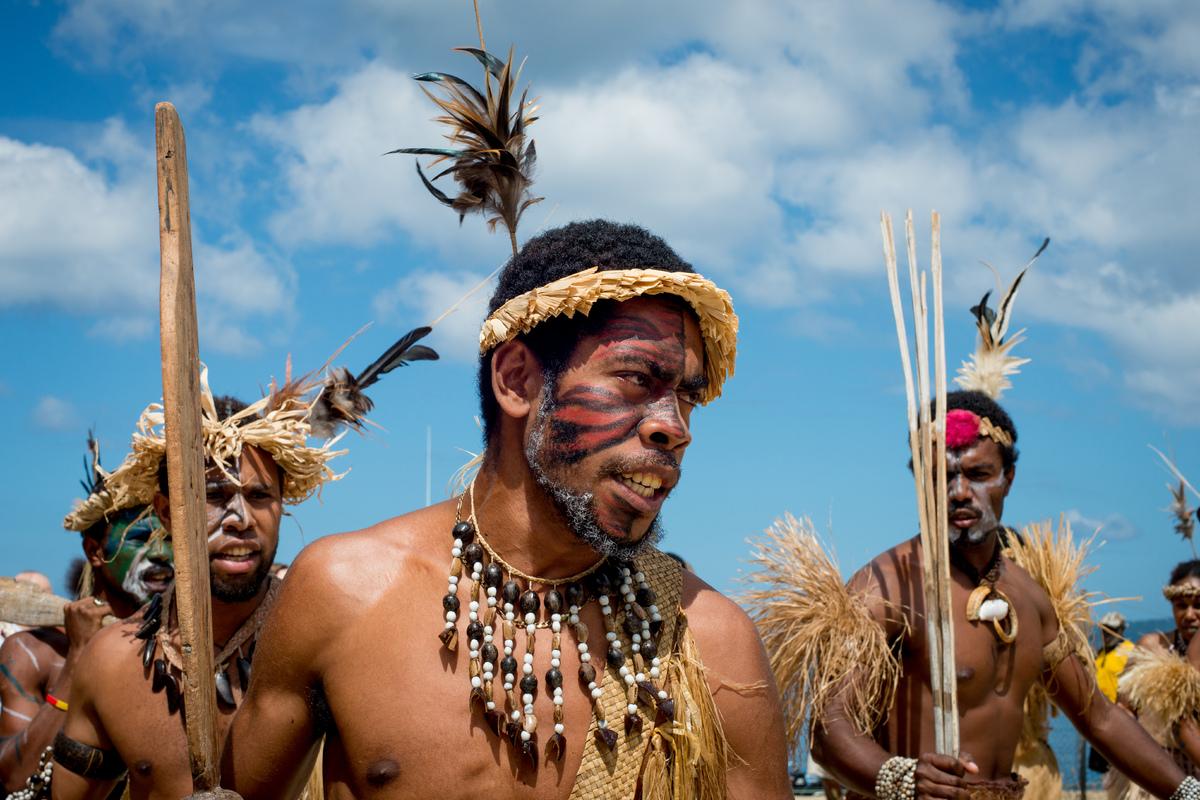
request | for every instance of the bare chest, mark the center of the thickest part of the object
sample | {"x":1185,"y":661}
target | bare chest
{"x":405,"y":724}
{"x":152,"y":742}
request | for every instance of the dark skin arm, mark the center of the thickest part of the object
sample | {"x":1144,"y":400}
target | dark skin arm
{"x":22,"y":741}
{"x":855,"y":758}
{"x":83,"y":723}
{"x":272,"y":743}
{"x":1112,"y":731}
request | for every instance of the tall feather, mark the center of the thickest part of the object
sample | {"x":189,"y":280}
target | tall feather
{"x":343,"y":402}
{"x":992,"y":363}
{"x":492,"y":157}
{"x":1185,"y":515}
{"x":93,"y":473}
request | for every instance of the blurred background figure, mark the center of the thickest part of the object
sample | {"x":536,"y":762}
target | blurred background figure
{"x":34,"y":578}
{"x":1110,"y":662}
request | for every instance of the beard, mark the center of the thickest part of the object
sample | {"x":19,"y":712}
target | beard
{"x":578,"y":509}
{"x":977,"y":533}
{"x":238,"y":589}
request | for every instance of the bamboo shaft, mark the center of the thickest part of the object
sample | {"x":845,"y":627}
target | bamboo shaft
{"x":927,"y":443}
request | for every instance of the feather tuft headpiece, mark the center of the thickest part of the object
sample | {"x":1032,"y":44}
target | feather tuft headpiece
{"x":992,"y":363}
{"x":492,"y":157}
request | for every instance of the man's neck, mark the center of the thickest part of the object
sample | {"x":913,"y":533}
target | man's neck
{"x":978,"y":555}
{"x":228,"y":617}
{"x":522,"y":524}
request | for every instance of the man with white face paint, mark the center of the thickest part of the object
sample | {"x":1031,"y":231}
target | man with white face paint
{"x":998,"y":661}
{"x":128,"y":560}
{"x":123,"y":717}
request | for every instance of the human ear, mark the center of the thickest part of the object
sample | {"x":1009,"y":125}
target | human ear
{"x":516,"y":378}
{"x":93,"y":550}
{"x":162,"y":509}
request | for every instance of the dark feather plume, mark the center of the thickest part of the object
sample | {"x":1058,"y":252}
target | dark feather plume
{"x":93,"y":473}
{"x":343,"y":401}
{"x":493,"y":157}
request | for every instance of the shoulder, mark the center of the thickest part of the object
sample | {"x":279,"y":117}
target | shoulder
{"x":357,"y":567}
{"x":109,"y":657}
{"x":33,"y":645}
{"x":724,"y":633}
{"x":1155,"y":640}
{"x":889,"y":583}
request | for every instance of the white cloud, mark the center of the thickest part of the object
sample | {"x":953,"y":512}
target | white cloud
{"x":1114,"y":527}
{"x":55,"y":414}
{"x":425,"y":296}
{"x":77,"y":233}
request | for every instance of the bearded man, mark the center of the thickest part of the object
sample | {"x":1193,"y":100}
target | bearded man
{"x":433,"y":676}
{"x":124,"y":718}
{"x":125,"y":566}
{"x":1001,"y":652}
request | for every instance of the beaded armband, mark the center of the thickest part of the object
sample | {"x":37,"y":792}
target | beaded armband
{"x":1189,"y":789}
{"x":897,"y":779}
{"x":87,"y":761}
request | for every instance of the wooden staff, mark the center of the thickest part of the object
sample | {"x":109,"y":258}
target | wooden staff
{"x":927,"y":441}
{"x":185,"y":448}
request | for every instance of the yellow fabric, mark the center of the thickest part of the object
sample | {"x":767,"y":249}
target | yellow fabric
{"x":1109,"y":667}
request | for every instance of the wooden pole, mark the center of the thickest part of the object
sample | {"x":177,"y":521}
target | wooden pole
{"x":185,"y":448}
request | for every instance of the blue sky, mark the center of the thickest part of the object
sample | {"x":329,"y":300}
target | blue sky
{"x":761,"y":139}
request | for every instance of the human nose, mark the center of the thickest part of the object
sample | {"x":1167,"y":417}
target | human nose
{"x":958,"y":489}
{"x":235,"y":517}
{"x":664,"y":427}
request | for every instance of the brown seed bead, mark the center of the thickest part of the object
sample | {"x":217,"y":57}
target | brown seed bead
{"x":529,"y":685}
{"x":493,"y":575}
{"x":587,"y":674}
{"x":450,"y":603}
{"x":648,"y":649}
{"x":615,"y":657}
{"x":464,"y":531}
{"x":475,"y":631}
{"x":472,"y":554}
{"x":510,"y":592}
{"x":529,"y":603}
{"x":554,"y":678}
{"x":581,"y":632}
{"x":646,"y":597}
{"x":574,"y":592}
{"x":508,"y":666}
{"x":488,"y":653}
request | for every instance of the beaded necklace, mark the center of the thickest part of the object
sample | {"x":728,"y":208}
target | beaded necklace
{"x":502,"y":599}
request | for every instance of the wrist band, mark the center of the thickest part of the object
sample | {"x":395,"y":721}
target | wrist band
{"x":1189,"y":789}
{"x":61,"y":705}
{"x":897,"y":780}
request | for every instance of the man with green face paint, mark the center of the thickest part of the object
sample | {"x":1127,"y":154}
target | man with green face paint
{"x":128,"y":560}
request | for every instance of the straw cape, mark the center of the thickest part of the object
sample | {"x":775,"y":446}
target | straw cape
{"x":277,"y":423}
{"x":817,"y":632}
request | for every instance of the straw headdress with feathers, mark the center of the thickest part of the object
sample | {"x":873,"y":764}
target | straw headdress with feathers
{"x":821,"y":639}
{"x":492,"y":158}
{"x":992,"y":363}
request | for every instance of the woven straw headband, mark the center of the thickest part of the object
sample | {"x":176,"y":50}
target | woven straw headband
{"x":577,"y":293}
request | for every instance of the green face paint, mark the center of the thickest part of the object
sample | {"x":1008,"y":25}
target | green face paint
{"x":137,"y":555}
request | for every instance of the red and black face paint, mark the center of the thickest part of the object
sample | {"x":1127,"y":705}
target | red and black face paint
{"x":616,"y":419}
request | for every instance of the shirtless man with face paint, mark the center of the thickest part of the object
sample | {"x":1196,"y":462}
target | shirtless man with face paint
{"x":122,"y":719}
{"x":128,"y":565}
{"x":994,"y":676}
{"x":422,"y":688}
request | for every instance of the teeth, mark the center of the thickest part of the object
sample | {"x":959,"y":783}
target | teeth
{"x":640,"y":488}
{"x":652,"y":482}
{"x":237,"y":551}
